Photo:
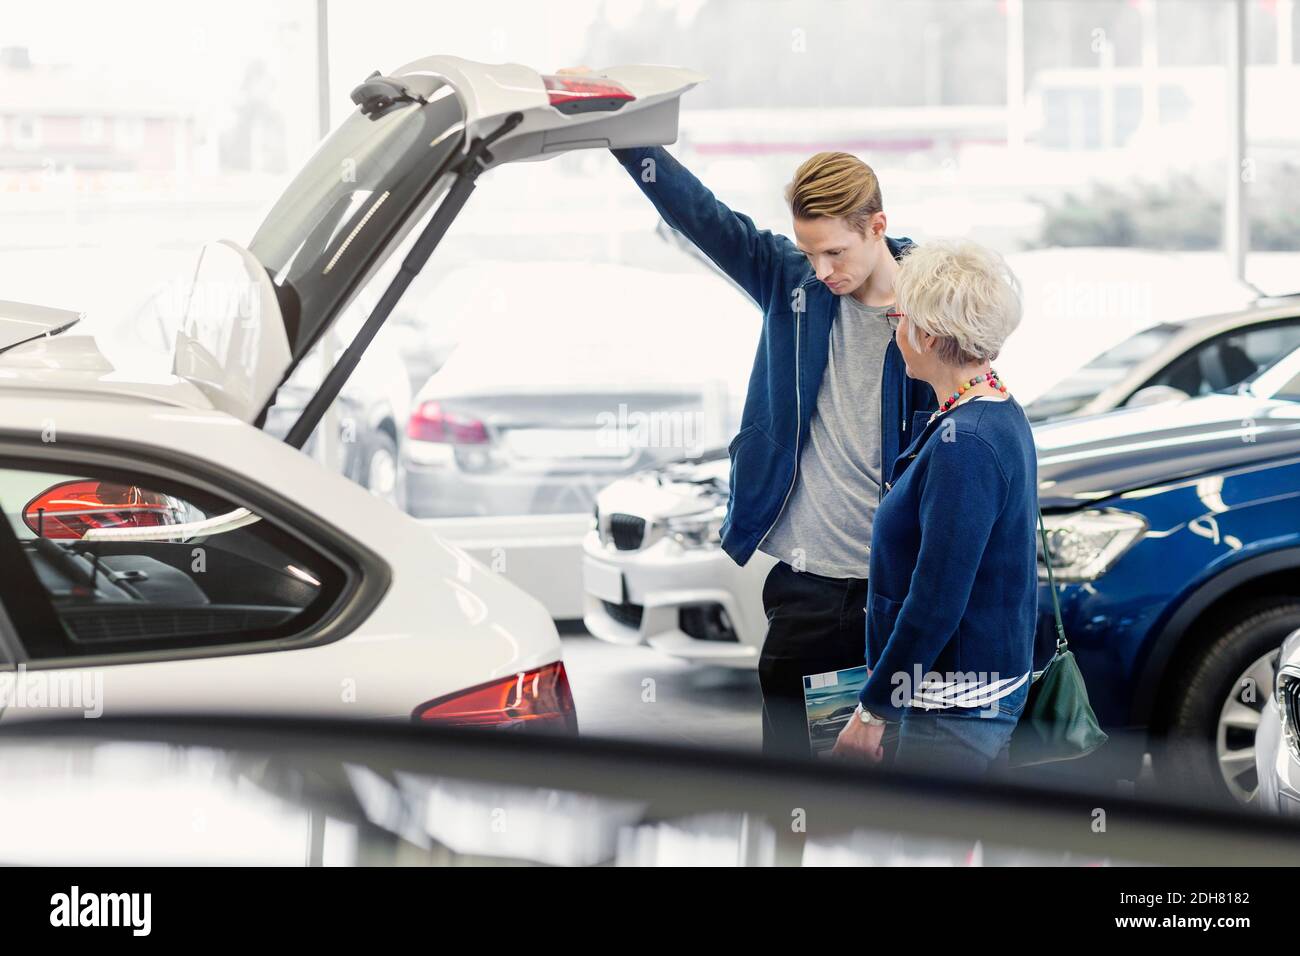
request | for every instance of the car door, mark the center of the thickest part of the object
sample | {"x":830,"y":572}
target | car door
{"x":129,"y":562}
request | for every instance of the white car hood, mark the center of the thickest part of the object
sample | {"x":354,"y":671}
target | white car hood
{"x":677,"y":489}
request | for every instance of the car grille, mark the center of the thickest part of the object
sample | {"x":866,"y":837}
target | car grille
{"x":706,"y":622}
{"x":629,"y":615}
{"x":626,"y":531}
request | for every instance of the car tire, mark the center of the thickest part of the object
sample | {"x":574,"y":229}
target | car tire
{"x":377,"y":469}
{"x":1213,"y":711}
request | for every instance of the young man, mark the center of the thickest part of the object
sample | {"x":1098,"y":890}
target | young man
{"x":829,"y":403}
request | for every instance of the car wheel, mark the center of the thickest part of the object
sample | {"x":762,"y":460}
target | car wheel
{"x":1219,"y":699}
{"x":378,"y":469}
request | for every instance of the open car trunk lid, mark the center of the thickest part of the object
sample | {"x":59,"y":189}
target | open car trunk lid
{"x":617,"y":107}
{"x":417,"y":137}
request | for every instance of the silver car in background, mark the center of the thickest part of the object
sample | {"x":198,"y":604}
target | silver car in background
{"x":568,"y":376}
{"x":1172,"y":361}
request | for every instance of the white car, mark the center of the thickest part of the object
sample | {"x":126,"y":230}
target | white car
{"x":153,"y":526}
{"x":1173,"y":361}
{"x":654,"y":571}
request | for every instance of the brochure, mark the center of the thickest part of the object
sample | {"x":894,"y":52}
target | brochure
{"x":830,"y":700}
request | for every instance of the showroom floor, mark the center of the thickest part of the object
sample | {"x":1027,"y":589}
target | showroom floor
{"x":686,"y":703}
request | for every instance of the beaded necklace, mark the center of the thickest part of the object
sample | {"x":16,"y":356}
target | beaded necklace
{"x":991,"y":377}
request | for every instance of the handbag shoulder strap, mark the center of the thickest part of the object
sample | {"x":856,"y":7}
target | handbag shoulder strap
{"x":1051,"y":586}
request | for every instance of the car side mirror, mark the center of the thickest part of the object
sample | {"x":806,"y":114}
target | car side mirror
{"x":1154,"y":395}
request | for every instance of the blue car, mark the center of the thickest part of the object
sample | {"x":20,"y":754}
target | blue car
{"x":1174,"y":532}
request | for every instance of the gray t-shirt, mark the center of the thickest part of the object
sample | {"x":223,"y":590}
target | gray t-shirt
{"x":826,"y":525}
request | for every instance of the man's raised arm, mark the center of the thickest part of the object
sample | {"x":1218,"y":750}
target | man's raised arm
{"x":752,"y":257}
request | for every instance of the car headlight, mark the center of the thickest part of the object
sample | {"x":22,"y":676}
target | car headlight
{"x":703,"y":529}
{"x":1084,"y":545}
{"x":1286,"y":692}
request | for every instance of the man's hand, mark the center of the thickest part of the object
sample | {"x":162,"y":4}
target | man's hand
{"x":859,"y":741}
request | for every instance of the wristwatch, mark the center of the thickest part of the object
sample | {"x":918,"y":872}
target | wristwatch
{"x":867,"y":717}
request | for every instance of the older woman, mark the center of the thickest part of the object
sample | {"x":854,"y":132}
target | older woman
{"x":953,"y":581}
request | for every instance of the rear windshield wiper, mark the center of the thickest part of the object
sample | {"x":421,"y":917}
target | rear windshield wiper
{"x":43,"y":334}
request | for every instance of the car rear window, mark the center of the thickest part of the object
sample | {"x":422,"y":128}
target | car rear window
{"x":129,"y":563}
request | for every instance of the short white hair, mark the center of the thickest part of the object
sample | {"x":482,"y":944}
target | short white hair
{"x":961,"y":292}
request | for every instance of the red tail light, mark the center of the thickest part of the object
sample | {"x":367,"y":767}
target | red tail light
{"x":530,"y":700}
{"x":574,"y":94}
{"x":71,"y":508}
{"x":431,"y":422}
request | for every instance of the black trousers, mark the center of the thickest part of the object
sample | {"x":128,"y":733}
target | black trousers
{"x":814,"y":624}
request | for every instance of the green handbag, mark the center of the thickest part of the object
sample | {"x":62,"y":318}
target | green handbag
{"x":1057,"y":722}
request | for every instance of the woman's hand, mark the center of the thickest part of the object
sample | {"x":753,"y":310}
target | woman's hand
{"x":859,"y":741}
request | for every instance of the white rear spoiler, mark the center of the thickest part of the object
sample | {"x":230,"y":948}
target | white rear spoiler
{"x":492,"y":91}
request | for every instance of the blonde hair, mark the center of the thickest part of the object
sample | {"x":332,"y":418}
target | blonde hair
{"x":961,"y":292}
{"x":835,"y":185}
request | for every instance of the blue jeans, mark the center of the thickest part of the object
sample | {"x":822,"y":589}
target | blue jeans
{"x":959,"y":741}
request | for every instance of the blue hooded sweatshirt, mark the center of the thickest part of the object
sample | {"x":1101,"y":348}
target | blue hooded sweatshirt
{"x":793,"y":349}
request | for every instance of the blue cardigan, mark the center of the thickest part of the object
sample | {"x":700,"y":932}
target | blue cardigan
{"x":953,"y":581}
